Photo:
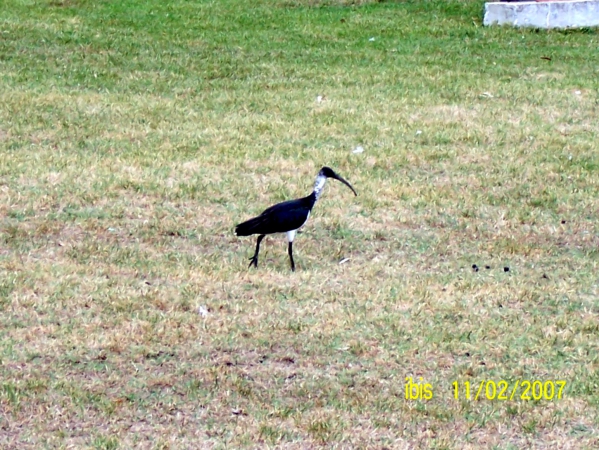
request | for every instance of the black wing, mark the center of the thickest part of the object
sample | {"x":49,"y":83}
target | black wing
{"x":279,"y":218}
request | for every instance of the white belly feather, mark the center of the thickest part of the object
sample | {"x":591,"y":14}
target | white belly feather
{"x":291,"y":233}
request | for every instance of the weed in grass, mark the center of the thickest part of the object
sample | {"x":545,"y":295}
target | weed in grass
{"x":105,"y":443}
{"x":274,"y":435}
{"x":11,"y":394}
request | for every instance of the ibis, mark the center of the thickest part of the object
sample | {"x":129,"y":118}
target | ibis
{"x":287,"y":217}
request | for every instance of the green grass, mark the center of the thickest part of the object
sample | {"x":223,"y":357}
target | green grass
{"x":135,"y":135}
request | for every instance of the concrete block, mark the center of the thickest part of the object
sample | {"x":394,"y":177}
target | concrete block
{"x":543,"y":14}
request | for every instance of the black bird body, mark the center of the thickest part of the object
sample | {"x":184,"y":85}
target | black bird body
{"x":286,"y":217}
{"x":279,"y":218}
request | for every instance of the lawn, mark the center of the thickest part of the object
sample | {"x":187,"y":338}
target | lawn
{"x":135,"y":134}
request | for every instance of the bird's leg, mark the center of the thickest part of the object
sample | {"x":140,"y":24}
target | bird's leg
{"x":291,"y":256}
{"x":254,"y":259}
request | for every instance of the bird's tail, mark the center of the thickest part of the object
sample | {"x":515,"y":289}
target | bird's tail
{"x":249,"y":227}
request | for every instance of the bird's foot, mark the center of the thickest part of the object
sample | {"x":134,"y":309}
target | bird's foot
{"x":254,"y":262}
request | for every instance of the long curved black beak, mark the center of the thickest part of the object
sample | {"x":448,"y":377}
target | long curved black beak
{"x":340,"y":178}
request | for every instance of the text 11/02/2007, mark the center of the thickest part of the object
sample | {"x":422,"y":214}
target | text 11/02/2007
{"x":504,"y":390}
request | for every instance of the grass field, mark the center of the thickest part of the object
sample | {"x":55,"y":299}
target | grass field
{"x":134,"y":135}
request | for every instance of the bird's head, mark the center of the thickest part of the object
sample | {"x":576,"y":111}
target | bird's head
{"x":330,"y":173}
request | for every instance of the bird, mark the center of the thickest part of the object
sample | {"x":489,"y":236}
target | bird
{"x":287,"y":217}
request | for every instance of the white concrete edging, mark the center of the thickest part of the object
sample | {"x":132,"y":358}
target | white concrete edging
{"x":543,"y":14}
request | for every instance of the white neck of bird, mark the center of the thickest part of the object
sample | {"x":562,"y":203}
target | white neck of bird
{"x":319,"y":185}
